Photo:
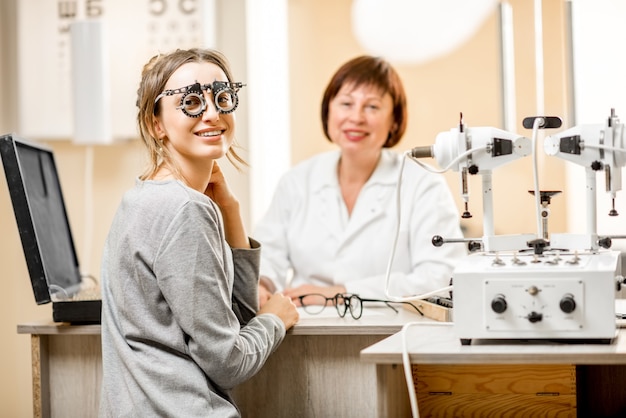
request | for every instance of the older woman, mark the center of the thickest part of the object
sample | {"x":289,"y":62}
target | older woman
{"x":331,"y":225}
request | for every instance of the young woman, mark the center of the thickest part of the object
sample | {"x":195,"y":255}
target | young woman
{"x":180,"y":325}
{"x":331,"y":224}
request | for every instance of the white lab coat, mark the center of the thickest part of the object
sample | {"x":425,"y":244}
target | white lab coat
{"x":307,"y":230}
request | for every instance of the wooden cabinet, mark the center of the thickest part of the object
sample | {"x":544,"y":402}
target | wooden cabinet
{"x":513,"y":391}
{"x":500,"y":378}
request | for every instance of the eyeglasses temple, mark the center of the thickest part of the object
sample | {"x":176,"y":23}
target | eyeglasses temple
{"x":415,"y":307}
{"x":387,"y":302}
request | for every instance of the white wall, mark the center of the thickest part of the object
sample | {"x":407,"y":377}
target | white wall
{"x":599,"y":31}
{"x":268,"y":79}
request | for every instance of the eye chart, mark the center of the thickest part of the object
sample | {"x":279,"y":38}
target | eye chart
{"x":134,"y":32}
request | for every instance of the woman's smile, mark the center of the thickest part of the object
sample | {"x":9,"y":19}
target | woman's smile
{"x":355,"y":135}
{"x":211,"y":134}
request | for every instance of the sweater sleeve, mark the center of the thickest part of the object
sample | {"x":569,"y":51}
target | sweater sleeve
{"x":245,"y":286}
{"x":195,"y":269}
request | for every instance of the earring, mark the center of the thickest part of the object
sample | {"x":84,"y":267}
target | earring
{"x":160,"y":150}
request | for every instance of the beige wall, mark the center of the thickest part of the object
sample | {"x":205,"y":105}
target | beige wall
{"x":465,"y":81}
{"x":114,"y":168}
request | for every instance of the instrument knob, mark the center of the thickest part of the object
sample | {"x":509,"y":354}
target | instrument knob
{"x":534,"y":317}
{"x":498,"y":304}
{"x":567,"y":304}
{"x":437,"y":241}
{"x":605,"y":242}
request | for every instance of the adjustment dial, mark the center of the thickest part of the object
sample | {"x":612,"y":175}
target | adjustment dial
{"x":534,"y":317}
{"x":568,"y":304}
{"x":498,"y":304}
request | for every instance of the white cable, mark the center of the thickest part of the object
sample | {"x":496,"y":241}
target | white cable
{"x":539,"y":68}
{"x":406,"y":363}
{"x":449,"y":166}
{"x":397,"y":232}
{"x":397,"y":229}
{"x":408,"y":375}
{"x":537,"y":122}
{"x":406,"y":155}
{"x":540,"y":97}
{"x":405,"y":352}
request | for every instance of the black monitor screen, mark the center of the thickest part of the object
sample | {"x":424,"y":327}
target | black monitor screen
{"x":41,"y":218}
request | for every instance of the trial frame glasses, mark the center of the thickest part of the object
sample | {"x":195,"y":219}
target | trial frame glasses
{"x":193,"y":103}
{"x":315,"y":303}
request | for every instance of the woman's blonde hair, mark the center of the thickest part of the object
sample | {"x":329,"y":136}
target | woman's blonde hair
{"x":155,"y":74}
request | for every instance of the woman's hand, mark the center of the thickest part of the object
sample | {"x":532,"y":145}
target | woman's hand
{"x":305,"y":289}
{"x":218,"y":191}
{"x":282,"y":307}
{"x":264,"y":294}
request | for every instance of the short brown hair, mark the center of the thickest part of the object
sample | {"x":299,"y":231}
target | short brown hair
{"x":372,"y":71}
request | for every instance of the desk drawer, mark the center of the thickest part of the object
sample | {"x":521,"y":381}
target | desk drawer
{"x":496,"y":390}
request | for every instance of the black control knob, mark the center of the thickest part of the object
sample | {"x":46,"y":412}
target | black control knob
{"x":498,"y":304}
{"x":535,"y":317}
{"x":437,"y":240}
{"x":567,"y":304}
{"x":605,"y":242}
{"x":538,"y":244}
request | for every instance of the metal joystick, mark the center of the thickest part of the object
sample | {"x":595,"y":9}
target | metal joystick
{"x":465,"y":194}
{"x":613,"y":212}
{"x":545,"y":197}
{"x":466,"y":213}
{"x":472,"y":244}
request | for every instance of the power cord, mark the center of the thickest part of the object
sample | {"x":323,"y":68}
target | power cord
{"x":406,"y":363}
{"x":394,"y":243}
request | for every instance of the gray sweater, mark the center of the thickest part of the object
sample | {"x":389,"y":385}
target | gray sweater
{"x":178,"y":315}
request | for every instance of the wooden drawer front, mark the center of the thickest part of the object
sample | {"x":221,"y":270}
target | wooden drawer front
{"x":495,"y":390}
{"x":497,"y":406}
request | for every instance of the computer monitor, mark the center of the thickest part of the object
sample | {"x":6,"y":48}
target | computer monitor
{"x":41,"y":218}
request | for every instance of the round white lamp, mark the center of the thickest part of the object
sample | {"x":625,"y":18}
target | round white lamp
{"x":417,"y":31}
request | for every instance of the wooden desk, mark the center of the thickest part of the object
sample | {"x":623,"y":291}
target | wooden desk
{"x":66,"y":369}
{"x":316,"y":372}
{"x":600,"y":371}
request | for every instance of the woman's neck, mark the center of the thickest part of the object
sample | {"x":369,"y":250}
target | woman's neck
{"x":196,"y":176}
{"x":356,"y":170}
{"x":352,"y":175}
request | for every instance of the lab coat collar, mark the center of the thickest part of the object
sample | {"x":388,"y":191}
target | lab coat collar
{"x":386,"y":171}
{"x":328,"y":203}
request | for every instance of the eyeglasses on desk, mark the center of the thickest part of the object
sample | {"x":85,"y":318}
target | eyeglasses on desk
{"x":315,"y":303}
